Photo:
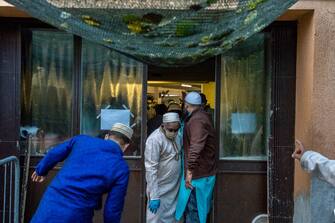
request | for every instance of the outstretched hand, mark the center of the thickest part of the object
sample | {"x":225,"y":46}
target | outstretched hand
{"x":36,"y":178}
{"x":299,"y":150}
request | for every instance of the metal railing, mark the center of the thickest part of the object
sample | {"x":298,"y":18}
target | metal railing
{"x":10,"y":203}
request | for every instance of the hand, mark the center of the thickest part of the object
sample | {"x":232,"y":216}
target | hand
{"x":36,"y":178}
{"x":299,"y":150}
{"x":188,"y":180}
{"x":154,"y":205}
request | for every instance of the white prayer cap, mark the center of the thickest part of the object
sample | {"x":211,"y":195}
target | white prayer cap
{"x":123,"y":129}
{"x":171,"y":117}
{"x":193,"y":98}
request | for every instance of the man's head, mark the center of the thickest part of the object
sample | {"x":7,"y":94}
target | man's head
{"x":203,"y":99}
{"x":121,"y":134}
{"x":171,"y":124}
{"x":160,"y":109}
{"x":175,"y":107}
{"x":193,"y":101}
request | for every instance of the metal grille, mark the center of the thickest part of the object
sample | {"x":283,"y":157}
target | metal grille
{"x":10,"y":188}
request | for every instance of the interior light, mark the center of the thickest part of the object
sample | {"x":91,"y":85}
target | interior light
{"x":186,"y":85}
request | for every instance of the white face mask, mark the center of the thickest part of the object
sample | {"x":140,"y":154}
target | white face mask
{"x":170,"y":135}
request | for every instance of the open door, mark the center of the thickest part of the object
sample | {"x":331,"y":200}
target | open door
{"x":243,"y":88}
{"x":255,"y":125}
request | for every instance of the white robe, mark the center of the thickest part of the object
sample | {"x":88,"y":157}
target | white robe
{"x":319,"y":165}
{"x":163,"y":175}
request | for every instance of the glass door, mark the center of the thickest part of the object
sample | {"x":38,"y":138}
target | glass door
{"x":112,"y":91}
{"x":243,"y":96}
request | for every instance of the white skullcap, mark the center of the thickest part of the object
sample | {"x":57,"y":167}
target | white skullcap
{"x":193,"y":98}
{"x":171,"y":117}
{"x":123,"y":129}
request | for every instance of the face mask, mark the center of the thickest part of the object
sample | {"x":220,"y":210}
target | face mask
{"x":186,"y":113}
{"x":125,"y":147}
{"x":170,"y":135}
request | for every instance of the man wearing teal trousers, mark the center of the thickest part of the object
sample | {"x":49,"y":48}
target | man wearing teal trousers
{"x":199,"y":163}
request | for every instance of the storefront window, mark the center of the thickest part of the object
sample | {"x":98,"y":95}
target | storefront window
{"x":46,"y":88}
{"x":111,"y":92}
{"x":244,"y":101}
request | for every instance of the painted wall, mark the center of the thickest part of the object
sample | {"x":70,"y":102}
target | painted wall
{"x":7,"y":10}
{"x":209,"y":90}
{"x":315,"y":110}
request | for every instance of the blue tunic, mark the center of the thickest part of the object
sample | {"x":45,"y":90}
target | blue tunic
{"x":93,"y":167}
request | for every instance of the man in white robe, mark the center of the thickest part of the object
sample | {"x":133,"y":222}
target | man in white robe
{"x":163,"y":170}
{"x":315,"y":163}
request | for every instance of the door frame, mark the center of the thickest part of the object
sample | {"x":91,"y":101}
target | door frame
{"x":280,"y":59}
{"x":281,"y":142}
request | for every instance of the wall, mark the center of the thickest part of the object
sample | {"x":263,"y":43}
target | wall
{"x":209,"y":90}
{"x":7,"y":10}
{"x":315,"y":110}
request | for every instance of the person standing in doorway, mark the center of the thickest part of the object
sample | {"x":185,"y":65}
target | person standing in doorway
{"x":197,"y":185}
{"x":156,"y":121}
{"x":206,"y":107}
{"x":163,"y":170}
{"x":92,"y":168}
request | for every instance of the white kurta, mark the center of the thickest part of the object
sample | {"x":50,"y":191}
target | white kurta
{"x":319,"y":165}
{"x":163,"y":174}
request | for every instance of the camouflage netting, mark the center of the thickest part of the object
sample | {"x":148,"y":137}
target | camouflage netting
{"x":160,"y":32}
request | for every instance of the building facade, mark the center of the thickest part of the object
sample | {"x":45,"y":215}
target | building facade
{"x":277,"y":85}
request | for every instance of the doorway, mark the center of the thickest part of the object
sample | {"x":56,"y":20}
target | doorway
{"x":251,"y":91}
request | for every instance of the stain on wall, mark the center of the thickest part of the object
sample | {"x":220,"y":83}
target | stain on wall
{"x":322,"y":202}
{"x":302,"y":209}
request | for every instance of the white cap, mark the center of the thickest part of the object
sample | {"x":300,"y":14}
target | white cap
{"x":171,"y":117}
{"x":123,"y":129}
{"x":193,"y":98}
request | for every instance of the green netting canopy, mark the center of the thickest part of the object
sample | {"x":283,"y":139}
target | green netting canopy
{"x":160,"y":32}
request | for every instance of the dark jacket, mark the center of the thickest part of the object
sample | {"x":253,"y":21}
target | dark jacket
{"x":154,"y":124}
{"x":200,"y":144}
{"x":92,"y":167}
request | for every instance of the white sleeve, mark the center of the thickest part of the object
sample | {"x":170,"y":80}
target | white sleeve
{"x":319,"y":165}
{"x":151,"y":162}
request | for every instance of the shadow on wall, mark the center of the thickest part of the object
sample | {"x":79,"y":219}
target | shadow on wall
{"x":302,"y":209}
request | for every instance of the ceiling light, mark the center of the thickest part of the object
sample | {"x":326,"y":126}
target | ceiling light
{"x":186,"y":85}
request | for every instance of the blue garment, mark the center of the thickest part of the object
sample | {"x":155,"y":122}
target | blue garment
{"x":93,"y":167}
{"x":191,"y":211}
{"x":204,"y":191}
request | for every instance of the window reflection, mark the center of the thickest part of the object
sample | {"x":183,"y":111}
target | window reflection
{"x":46,"y":88}
{"x":244,"y":101}
{"x":111,"y":83}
